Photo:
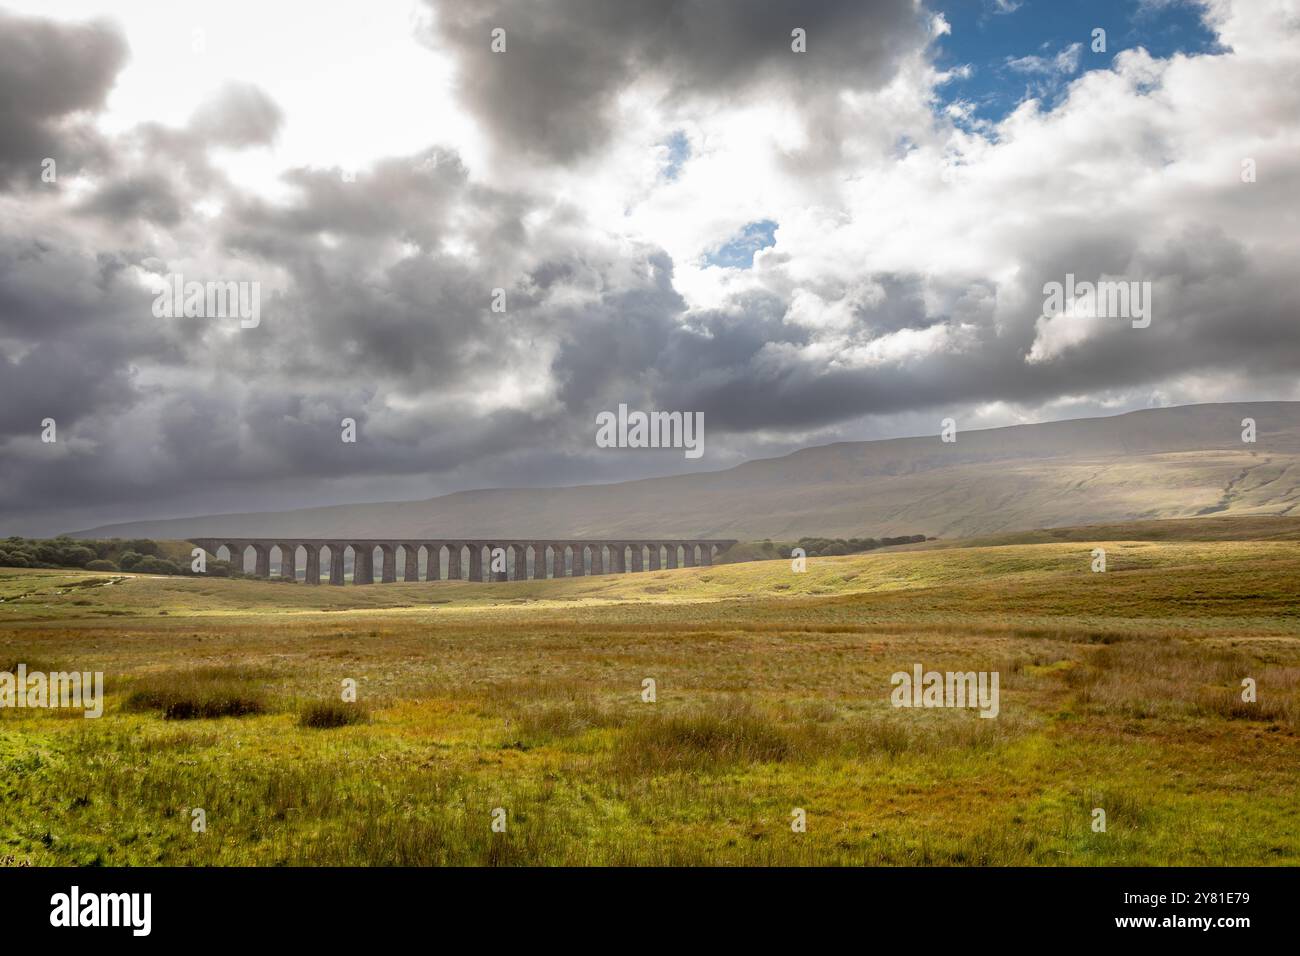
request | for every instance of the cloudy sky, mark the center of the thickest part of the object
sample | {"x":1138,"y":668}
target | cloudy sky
{"x":683,"y":212}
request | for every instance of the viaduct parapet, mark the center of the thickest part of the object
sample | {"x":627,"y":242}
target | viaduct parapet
{"x":460,"y":559}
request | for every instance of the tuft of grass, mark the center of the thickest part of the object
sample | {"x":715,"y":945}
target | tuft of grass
{"x":200,"y":693}
{"x":552,"y":721}
{"x":328,"y":714}
{"x":34,"y":665}
{"x":1170,"y":678}
{"x":1227,"y":703}
{"x":733,"y":732}
{"x":705,"y":737}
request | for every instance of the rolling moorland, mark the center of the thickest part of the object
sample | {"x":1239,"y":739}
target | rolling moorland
{"x":1119,"y":690}
{"x":1159,"y":463}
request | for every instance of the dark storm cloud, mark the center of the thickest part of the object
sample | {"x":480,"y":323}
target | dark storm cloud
{"x":72,"y":330}
{"x":377,"y":286}
{"x":372,"y":290}
{"x":400,"y":197}
{"x":147,"y":196}
{"x":50,"y":72}
{"x":553,"y":92}
{"x":1216,"y":305}
{"x":362,"y":303}
{"x":607,"y":349}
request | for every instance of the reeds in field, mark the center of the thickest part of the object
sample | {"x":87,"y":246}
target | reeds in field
{"x":202,"y":692}
{"x":1168,"y":678}
{"x":328,"y":714}
{"x":734,"y":731}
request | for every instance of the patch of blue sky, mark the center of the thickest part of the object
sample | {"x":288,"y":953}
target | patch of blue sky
{"x":738,"y":251}
{"x":679,"y":151}
{"x":1003,"y":52}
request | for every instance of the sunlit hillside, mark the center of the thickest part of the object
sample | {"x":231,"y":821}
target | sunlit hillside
{"x":1159,"y":463}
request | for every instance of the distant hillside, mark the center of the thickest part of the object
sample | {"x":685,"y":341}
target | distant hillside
{"x":1159,"y":463}
{"x":1209,"y":528}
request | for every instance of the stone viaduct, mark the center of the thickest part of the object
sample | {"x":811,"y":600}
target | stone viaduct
{"x":458,"y":559}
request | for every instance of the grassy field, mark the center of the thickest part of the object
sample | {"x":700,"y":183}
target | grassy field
{"x":1119,"y":691}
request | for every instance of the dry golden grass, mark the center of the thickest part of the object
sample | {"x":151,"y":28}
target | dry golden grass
{"x":1119,"y":690}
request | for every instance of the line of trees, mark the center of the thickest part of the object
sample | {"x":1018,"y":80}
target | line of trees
{"x":821,"y":547}
{"x":138,"y":555}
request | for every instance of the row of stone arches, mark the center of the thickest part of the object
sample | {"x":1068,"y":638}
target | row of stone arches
{"x":340,"y":562}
